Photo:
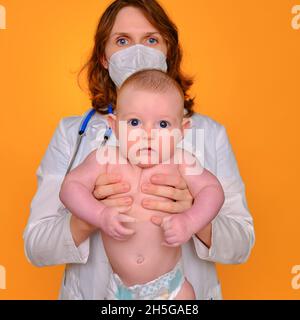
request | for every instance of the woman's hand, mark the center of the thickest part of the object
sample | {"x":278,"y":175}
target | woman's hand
{"x":166,"y":186}
{"x":110,"y":185}
{"x":171,"y":187}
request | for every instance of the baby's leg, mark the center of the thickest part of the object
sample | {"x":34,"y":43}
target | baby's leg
{"x":186,"y":292}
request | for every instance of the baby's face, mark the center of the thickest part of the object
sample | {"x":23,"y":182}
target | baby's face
{"x":148,"y":124}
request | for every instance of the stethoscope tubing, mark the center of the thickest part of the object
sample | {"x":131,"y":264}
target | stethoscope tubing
{"x":81,"y":132}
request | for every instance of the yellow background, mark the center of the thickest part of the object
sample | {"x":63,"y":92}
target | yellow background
{"x":246,"y":59}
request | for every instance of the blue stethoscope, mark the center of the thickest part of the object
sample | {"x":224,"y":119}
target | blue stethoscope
{"x":82,"y":130}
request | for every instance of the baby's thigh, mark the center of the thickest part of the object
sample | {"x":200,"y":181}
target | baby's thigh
{"x":186,"y":292}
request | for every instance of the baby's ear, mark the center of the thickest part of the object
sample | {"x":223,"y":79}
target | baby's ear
{"x":111,"y":119}
{"x":186,"y":123}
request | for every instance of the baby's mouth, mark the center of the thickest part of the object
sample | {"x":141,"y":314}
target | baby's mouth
{"x":147,"y":149}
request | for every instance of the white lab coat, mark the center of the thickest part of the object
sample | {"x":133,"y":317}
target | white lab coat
{"x":47,"y":236}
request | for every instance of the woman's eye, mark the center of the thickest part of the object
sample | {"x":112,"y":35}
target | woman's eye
{"x":134,"y":122}
{"x":122,"y":41}
{"x":164,"y":124}
{"x":152,"y":40}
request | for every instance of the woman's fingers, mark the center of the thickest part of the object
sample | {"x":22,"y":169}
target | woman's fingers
{"x":102,"y":191}
{"x":109,"y":184}
{"x":165,"y":206}
{"x":104,"y":179}
{"x":116,"y":202}
{"x":170,"y":187}
{"x":166,"y":191}
{"x":169,"y":180}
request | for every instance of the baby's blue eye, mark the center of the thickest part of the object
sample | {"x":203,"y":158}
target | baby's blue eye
{"x":164,"y":124}
{"x":134,"y":122}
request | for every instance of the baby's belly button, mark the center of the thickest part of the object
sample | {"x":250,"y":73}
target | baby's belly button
{"x":139,"y":259}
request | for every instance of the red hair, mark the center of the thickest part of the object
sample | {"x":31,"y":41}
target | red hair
{"x":101,"y":88}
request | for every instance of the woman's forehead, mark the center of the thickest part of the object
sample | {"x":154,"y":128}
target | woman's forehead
{"x":132,"y":20}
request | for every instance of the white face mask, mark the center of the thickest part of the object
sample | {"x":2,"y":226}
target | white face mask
{"x":124,"y":63}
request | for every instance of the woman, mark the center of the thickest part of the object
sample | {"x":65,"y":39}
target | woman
{"x":54,"y":236}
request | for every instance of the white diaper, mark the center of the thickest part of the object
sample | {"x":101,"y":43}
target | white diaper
{"x":165,"y":287}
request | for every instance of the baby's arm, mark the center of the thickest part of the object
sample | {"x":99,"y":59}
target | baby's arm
{"x":208,"y":199}
{"x":77,"y":195}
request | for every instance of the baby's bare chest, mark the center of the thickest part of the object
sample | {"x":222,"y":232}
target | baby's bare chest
{"x":137,"y":177}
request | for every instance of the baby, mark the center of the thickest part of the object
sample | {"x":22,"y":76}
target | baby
{"x":145,"y":258}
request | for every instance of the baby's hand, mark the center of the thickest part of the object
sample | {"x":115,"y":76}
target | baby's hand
{"x":177,"y":230}
{"x":111,"y":223}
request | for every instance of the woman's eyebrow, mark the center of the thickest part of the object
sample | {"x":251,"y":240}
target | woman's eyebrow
{"x":127,"y":34}
{"x":152,"y":33}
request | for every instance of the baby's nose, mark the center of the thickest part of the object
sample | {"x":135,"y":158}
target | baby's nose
{"x":149,"y":133}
